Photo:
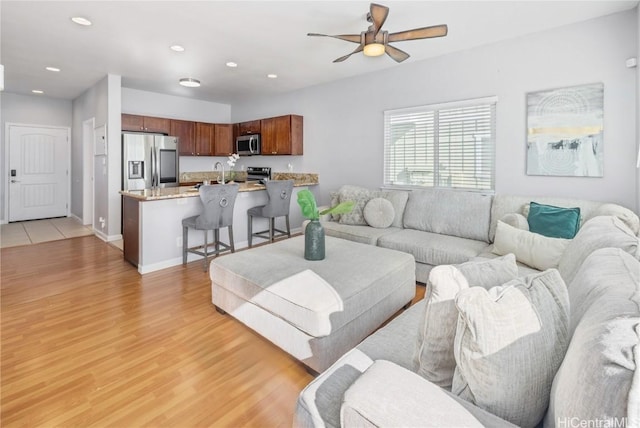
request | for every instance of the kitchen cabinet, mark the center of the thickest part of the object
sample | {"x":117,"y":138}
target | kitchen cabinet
{"x":251,"y":127}
{"x":186,"y":133}
{"x":204,"y":139}
{"x":132,"y":122}
{"x":223,"y":139}
{"x":130,"y":230}
{"x":282,"y":135}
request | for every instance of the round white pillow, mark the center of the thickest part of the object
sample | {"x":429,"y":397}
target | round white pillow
{"x":379,"y":213}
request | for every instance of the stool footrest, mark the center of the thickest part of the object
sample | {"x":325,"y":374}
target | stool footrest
{"x":222,"y":247}
{"x":265,"y":234}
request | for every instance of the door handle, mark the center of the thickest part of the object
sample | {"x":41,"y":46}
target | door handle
{"x":15,"y":181}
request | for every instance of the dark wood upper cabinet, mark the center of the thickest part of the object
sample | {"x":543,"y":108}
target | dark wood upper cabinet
{"x":186,"y":133}
{"x":204,"y":139}
{"x":251,"y":127}
{"x":132,"y":122}
{"x":282,"y":135}
{"x":157,"y":124}
{"x":223,"y":139}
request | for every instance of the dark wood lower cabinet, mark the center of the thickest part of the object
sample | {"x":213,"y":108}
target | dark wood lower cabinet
{"x":130,"y":230}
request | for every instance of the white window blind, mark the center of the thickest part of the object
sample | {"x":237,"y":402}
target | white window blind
{"x":446,"y":145}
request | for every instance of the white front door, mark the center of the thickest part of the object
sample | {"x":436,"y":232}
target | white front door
{"x":38,"y":172}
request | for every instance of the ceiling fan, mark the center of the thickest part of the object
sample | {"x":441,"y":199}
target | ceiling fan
{"x":375,"y":42}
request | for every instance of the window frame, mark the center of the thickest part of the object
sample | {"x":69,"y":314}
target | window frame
{"x":490,"y":101}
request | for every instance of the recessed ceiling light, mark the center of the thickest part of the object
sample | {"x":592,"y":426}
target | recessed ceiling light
{"x":189,"y":82}
{"x":272,"y":76}
{"x":56,"y":69}
{"x":232,"y":64}
{"x":37,"y":91}
{"x":177,"y":48}
{"x":81,"y":20}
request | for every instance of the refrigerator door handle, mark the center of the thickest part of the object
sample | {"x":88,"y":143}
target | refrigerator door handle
{"x":153,"y":169}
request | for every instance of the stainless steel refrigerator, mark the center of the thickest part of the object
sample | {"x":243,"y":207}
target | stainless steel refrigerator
{"x":149,"y":161}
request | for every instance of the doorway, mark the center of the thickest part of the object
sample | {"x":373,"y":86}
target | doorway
{"x":39,"y":180}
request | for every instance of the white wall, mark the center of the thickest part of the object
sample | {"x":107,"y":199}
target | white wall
{"x":31,"y":110}
{"x":638,"y":108}
{"x":343,"y":128}
{"x":154,"y":104}
{"x":102,"y":102}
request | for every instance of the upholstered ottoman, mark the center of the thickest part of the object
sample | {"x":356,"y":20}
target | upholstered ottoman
{"x":314,"y":310}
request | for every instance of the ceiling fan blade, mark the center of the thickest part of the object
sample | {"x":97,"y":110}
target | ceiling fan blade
{"x":353,"y":38}
{"x":378,"y":15}
{"x":395,"y":53}
{"x":342,"y":58}
{"x":419,"y":33}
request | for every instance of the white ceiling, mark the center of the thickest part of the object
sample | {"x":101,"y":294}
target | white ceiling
{"x":132,"y":39}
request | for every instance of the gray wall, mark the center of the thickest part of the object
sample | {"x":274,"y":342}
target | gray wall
{"x":638,"y":108}
{"x":343,"y":128}
{"x":29,"y":110}
{"x":102,"y":102}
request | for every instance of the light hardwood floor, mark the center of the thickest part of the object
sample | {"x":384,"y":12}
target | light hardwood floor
{"x":87,"y":341}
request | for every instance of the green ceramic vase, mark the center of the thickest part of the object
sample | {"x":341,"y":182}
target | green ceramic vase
{"x":314,"y":241}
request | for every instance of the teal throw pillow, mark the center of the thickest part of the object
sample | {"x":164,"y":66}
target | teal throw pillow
{"x":554,"y":222}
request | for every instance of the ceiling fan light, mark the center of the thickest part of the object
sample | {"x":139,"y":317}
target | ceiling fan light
{"x":374,"y":49}
{"x":189,"y":82}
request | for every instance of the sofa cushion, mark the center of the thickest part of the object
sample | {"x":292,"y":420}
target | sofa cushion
{"x":532,"y":249}
{"x":516,"y":220}
{"x":387,"y":395}
{"x":360,"y":196}
{"x":432,"y":248}
{"x":509,"y":344}
{"x":505,"y":204}
{"x":379,"y":213}
{"x":599,"y":379}
{"x":627,"y":216}
{"x":596,"y":233}
{"x":398,"y":199}
{"x":462,"y":214}
{"x":363,"y":234}
{"x":437,"y":329}
{"x":319,"y":402}
{"x":334,"y":199}
{"x":552,"y":221}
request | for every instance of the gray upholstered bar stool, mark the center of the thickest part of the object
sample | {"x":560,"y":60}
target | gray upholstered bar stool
{"x":279,"y":192}
{"x":218,"y":201}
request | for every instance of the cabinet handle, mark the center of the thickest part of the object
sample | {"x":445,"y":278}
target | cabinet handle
{"x":274,"y":153}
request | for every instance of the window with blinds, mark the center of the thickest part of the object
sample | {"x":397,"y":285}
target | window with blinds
{"x":446,"y":145}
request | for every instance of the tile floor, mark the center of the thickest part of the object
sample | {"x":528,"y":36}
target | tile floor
{"x":35,"y":231}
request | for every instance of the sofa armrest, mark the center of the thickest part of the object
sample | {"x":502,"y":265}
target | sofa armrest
{"x":516,"y":220}
{"x":389,"y":395}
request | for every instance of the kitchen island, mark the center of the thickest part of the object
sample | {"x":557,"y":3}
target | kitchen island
{"x":152,"y":221}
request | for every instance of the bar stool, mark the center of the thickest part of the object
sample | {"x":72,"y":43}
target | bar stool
{"x":218,"y":201}
{"x":279,"y":192}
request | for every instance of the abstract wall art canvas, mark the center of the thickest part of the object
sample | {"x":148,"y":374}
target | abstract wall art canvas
{"x":565,"y":131}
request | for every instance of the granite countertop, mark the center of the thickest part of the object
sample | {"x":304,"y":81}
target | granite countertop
{"x":190,"y":191}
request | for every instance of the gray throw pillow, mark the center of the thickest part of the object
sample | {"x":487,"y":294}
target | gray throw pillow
{"x":509,"y":344}
{"x":379,"y":213}
{"x":434,"y":348}
{"x":360,"y":196}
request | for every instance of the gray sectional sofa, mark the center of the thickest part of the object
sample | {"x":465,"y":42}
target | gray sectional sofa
{"x":445,"y":227}
{"x":595,"y":380}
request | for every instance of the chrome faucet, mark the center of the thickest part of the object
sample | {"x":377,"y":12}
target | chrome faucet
{"x":215,"y":168}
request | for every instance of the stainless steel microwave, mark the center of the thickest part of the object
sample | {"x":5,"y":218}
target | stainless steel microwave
{"x":248,"y":145}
